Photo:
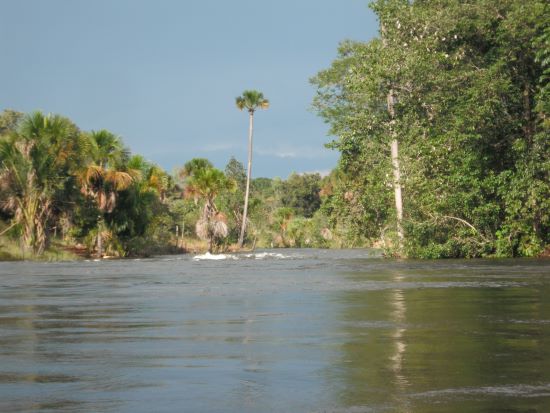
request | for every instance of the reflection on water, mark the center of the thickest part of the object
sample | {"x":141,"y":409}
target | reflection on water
{"x":450,"y":349}
{"x":297,"y":331}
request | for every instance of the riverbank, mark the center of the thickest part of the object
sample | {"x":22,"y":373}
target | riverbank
{"x":62,"y":251}
{"x":11,"y":251}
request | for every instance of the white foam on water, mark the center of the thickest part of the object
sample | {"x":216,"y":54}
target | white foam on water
{"x":214,"y":257}
{"x":255,"y":256}
{"x":262,"y":255}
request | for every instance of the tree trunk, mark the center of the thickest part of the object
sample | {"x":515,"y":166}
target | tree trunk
{"x":248,"y":174}
{"x":397,"y":190}
{"x":99,"y":238}
{"x":210,"y":242}
{"x":396,"y":171}
{"x":528,"y":127}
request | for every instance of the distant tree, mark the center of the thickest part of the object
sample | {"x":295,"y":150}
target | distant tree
{"x":235,"y":170}
{"x":193,"y":166}
{"x":301,"y":193}
{"x":233,"y":201}
{"x":9,"y":119}
{"x":251,"y":100}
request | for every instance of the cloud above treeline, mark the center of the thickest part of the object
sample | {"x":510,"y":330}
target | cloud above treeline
{"x":278,"y":151}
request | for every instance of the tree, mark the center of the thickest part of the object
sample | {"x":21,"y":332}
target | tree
{"x":250,"y":100}
{"x":9,"y":119}
{"x":232,"y":202}
{"x":451,"y":88}
{"x":37,"y":161}
{"x":105,"y":176}
{"x":207,"y":184}
{"x":301,"y":193}
{"x":193,"y":166}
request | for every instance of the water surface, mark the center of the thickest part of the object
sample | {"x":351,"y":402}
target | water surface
{"x":279,"y":331}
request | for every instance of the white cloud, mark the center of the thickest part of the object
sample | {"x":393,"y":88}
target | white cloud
{"x":286,"y":151}
{"x":323,"y":172}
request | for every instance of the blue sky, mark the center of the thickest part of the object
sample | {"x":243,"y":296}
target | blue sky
{"x":164,"y":74}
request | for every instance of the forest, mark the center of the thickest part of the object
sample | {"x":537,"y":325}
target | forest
{"x":443,"y":132}
{"x":443,"y":129}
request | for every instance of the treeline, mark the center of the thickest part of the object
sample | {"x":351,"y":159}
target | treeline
{"x":62,"y":188}
{"x":443,"y":128}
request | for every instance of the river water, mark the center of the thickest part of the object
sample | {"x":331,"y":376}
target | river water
{"x":276,"y":331}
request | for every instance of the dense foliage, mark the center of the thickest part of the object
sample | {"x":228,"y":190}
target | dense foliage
{"x":79,"y":189}
{"x":462,"y":88}
{"x":63,"y":188}
{"x":442,"y":125}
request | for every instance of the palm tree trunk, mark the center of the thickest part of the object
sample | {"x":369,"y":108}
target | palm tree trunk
{"x":248,"y":174}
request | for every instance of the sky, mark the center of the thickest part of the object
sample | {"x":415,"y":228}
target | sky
{"x":164,"y":74}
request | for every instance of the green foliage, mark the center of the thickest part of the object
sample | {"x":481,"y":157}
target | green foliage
{"x":232,"y":201}
{"x":461,"y":87}
{"x":301,"y":193}
{"x":470,"y":119}
{"x":193,"y":166}
{"x":37,"y":162}
{"x":251,"y":100}
{"x":207,"y":184}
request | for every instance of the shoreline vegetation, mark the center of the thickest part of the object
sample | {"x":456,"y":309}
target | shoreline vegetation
{"x":442,"y":123}
{"x":62,"y":251}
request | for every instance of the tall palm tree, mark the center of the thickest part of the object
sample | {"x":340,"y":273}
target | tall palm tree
{"x":250,"y":100}
{"x":207,"y":184}
{"x":105,"y":176}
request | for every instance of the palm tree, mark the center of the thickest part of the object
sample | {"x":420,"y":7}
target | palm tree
{"x":193,"y":166}
{"x":21,"y":194}
{"x":250,"y":100}
{"x":153,"y":178}
{"x":103,"y":178}
{"x":207,"y":184}
{"x":36,"y":163}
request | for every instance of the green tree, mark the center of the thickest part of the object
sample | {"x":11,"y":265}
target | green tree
{"x":105,"y":177}
{"x":36,"y":165}
{"x":207,"y":184}
{"x":455,"y":86}
{"x":301,"y":193}
{"x":232,"y":201}
{"x":193,"y":166}
{"x":141,"y":218}
{"x":251,"y":100}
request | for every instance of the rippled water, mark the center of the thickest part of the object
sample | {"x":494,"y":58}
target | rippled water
{"x":278,"y":331}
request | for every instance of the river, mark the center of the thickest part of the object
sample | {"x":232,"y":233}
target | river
{"x":276,"y":331}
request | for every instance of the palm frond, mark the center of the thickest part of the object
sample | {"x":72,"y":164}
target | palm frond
{"x":120,"y":180}
{"x":251,"y":100}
